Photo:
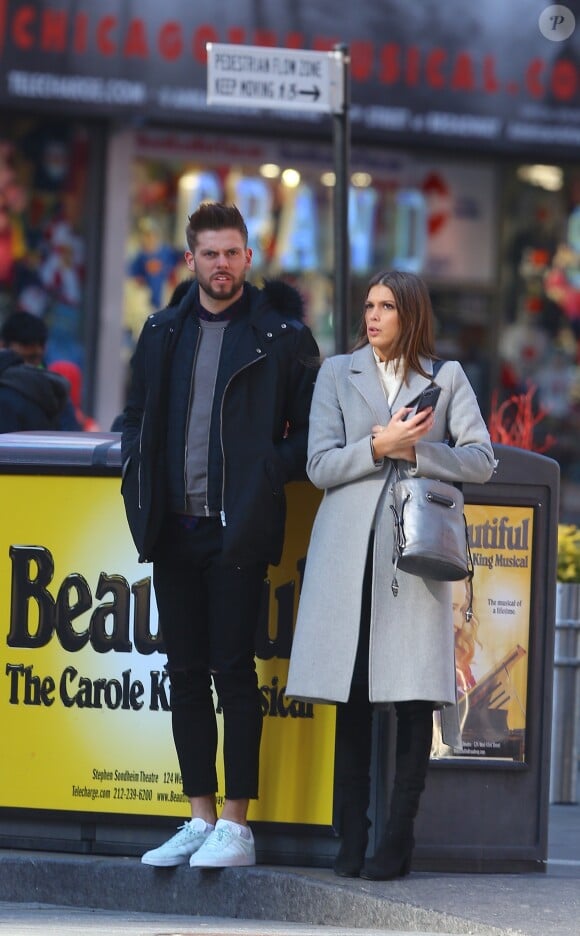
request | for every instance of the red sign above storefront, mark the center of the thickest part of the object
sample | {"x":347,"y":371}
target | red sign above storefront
{"x":491,"y":76}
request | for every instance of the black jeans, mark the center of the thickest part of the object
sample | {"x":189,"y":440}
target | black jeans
{"x":208,"y":612}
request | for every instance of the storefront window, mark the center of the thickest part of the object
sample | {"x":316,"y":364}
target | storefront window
{"x":287,"y":209}
{"x":432,"y":217}
{"x":539,"y":351}
{"x":43,"y":189}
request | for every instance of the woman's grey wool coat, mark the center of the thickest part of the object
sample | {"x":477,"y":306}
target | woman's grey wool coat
{"x":411,"y":652}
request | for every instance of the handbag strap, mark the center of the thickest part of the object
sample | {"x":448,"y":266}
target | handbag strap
{"x":437,"y":365}
{"x":470,"y":574}
{"x":400,"y":533}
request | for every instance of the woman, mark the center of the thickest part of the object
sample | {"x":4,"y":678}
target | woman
{"x":355,"y":642}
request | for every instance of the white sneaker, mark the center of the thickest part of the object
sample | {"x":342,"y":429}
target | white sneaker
{"x":181,"y":846}
{"x":230,"y":845}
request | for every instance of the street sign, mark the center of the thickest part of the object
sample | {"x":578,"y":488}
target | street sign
{"x":275,"y":79}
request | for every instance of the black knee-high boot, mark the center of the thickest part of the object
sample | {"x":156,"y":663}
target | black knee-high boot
{"x":352,"y":780}
{"x":414,"y":735}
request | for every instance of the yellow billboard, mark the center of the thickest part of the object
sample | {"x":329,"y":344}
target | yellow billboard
{"x":84,"y":696}
{"x":492,"y":647}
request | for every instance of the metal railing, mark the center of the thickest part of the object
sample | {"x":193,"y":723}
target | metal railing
{"x":566,"y":698}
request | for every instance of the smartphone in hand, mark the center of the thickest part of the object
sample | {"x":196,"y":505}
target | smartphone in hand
{"x":428,"y":398}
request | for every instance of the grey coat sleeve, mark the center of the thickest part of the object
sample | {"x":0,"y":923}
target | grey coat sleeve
{"x":332,"y":459}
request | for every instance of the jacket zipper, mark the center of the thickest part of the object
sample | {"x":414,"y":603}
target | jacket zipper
{"x":140,"y":462}
{"x":226,"y":388}
{"x":139,"y":485}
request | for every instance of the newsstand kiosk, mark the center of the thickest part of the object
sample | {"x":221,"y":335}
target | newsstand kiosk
{"x":487,"y":809}
{"x":88,"y":762}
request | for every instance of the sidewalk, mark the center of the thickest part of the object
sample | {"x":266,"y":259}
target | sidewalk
{"x":535,"y":904}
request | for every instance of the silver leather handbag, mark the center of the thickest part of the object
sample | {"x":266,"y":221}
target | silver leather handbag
{"x":430,"y":531}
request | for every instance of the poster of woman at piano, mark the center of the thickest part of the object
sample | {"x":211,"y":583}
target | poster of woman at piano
{"x":491,"y":646}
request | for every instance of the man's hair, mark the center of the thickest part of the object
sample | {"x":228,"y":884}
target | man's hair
{"x":24,"y":328}
{"x":213,"y":216}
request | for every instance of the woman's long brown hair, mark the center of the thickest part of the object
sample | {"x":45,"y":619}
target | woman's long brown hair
{"x":416,"y":337}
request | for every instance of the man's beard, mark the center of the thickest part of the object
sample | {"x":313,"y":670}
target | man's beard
{"x":225,"y":290}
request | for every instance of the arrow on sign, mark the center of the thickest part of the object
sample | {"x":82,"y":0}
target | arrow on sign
{"x":314,"y":94}
{"x":275,"y":79}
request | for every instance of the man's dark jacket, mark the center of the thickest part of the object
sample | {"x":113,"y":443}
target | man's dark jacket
{"x":30,"y":397}
{"x":259,"y":423}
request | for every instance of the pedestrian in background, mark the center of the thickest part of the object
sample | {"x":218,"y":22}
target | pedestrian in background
{"x":30,"y":397}
{"x":216,"y":423}
{"x":356,"y":643}
{"x":26,"y":334}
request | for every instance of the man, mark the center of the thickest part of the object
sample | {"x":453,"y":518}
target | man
{"x":26,"y":335}
{"x":216,"y":423}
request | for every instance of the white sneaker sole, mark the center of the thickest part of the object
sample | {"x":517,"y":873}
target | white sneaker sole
{"x":243,"y":861}
{"x":165,"y":862}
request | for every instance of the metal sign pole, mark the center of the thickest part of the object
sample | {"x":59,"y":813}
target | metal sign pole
{"x":341,"y":145}
{"x":297,"y":80}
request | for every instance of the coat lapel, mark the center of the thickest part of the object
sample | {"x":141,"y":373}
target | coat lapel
{"x":364,"y":376}
{"x":407,"y":395}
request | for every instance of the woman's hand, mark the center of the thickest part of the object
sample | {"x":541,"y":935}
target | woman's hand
{"x":398,"y":438}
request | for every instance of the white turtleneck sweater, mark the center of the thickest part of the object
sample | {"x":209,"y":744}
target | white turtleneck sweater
{"x":390,"y":380}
